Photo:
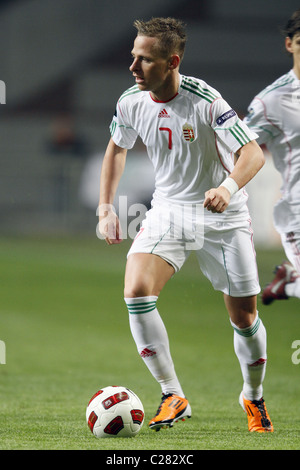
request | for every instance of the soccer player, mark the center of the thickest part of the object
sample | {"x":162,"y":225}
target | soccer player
{"x":274,"y":115}
{"x":192,"y":136}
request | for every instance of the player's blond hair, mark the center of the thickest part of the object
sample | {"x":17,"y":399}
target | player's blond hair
{"x":170,"y":32}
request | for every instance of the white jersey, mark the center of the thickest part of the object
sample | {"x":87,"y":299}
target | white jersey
{"x":191,"y":139}
{"x":274,"y":115}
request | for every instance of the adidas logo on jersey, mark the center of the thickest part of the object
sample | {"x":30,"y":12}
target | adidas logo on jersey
{"x":163,"y":114}
{"x":147,"y":353}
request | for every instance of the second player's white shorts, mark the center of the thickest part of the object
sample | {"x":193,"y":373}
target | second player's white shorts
{"x":291,"y":245}
{"x":223,"y":245}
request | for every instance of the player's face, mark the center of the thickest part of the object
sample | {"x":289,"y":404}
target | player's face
{"x":152,"y":72}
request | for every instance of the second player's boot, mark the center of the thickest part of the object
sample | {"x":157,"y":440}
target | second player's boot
{"x":284,"y":274}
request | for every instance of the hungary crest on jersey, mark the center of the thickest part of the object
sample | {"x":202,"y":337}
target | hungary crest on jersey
{"x":188,"y":132}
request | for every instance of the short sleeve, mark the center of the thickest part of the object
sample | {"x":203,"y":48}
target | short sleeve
{"x":229,"y":128}
{"x":258,"y":120}
{"x":121,"y":131}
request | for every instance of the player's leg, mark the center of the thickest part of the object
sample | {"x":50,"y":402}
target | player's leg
{"x":250,"y":346}
{"x":145,"y":276}
{"x":249,"y":343}
{"x":228,"y":260}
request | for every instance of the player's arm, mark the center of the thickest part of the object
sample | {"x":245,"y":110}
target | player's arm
{"x":250,"y":160}
{"x":111,"y":172}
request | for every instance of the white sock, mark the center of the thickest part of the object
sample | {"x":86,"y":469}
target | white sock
{"x":151,"y":338}
{"x":250,"y":345}
{"x":292,"y":289}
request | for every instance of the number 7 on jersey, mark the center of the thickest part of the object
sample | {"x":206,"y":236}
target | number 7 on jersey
{"x":170,"y":135}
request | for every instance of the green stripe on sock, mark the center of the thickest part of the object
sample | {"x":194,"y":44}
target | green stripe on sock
{"x":141,"y":307}
{"x":247,"y":332}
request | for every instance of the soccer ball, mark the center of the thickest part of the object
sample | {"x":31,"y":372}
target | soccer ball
{"x":115,"y":412}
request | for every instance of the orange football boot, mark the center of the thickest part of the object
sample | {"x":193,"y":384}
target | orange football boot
{"x":258,"y":417}
{"x":172,"y":409}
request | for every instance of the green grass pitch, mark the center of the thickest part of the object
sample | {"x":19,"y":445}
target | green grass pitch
{"x":65,"y":328}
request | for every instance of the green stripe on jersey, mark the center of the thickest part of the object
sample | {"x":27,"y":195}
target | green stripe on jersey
{"x":112,"y":128}
{"x":197,"y":89}
{"x":280,"y":82}
{"x":260,"y":127}
{"x":131,"y":91}
{"x":141,"y":307}
{"x":239,"y":134}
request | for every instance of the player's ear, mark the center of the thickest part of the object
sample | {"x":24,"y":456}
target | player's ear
{"x":174,"y":61}
{"x":289,"y":45}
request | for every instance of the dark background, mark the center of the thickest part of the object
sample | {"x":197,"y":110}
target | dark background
{"x":65,"y":63}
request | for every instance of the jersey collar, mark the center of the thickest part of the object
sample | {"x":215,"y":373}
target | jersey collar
{"x":157,"y":101}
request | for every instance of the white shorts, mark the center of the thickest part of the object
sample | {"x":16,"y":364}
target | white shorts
{"x":223,"y":245}
{"x":291,"y":245}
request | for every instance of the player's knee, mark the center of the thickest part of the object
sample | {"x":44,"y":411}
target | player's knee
{"x":242,"y":310}
{"x":138,"y":288}
{"x":243,"y":318}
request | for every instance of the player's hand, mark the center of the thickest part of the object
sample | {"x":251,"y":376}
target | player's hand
{"x":217,"y":199}
{"x":109,"y":225}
